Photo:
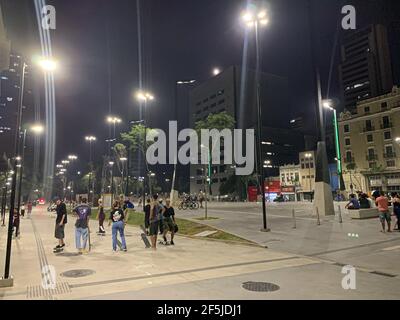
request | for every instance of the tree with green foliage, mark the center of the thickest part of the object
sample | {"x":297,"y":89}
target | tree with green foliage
{"x":218,"y":121}
{"x":135,"y":139}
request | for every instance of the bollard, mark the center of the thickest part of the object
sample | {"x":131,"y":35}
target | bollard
{"x":294,"y":219}
{"x":340,"y":215}
{"x":318,"y":220}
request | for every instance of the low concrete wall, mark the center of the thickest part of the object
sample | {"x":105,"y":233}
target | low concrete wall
{"x":364,"y":213}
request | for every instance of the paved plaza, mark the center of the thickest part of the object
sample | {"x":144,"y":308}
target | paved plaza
{"x":305,"y":263}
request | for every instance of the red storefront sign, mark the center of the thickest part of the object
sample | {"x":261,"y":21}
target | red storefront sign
{"x":272,"y":186}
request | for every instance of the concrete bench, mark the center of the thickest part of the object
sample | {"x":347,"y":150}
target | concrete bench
{"x":364,"y":213}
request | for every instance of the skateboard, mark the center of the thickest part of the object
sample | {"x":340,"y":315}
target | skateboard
{"x":144,"y":237}
{"x":119,"y":244}
{"x":58,"y":250}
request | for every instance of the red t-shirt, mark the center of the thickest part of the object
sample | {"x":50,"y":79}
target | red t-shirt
{"x":383,"y":204}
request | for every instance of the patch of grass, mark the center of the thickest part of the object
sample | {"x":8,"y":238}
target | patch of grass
{"x":186,"y":227}
{"x":221,"y":235}
{"x":208,"y":218}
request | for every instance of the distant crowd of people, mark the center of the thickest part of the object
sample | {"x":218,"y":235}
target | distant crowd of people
{"x":159,"y":218}
{"x":382,"y":202}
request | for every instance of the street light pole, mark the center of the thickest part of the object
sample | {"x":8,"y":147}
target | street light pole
{"x":6,"y":279}
{"x":21,"y":172}
{"x":254,"y":17}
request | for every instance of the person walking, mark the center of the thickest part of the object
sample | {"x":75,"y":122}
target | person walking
{"x":16,"y":223}
{"x":396,"y":208}
{"x":61,"y":221}
{"x":169,"y":222}
{"x":155,"y":210}
{"x":29,"y":209}
{"x":23,"y":210}
{"x":101,"y":216}
{"x":382,"y":203}
{"x":118,"y":226}
{"x":82,"y":226}
{"x":161,"y":216}
{"x":147,"y":208}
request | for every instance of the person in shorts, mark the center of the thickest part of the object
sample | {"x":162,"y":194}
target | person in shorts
{"x":61,"y":220}
{"x":169,"y":222}
{"x":147,"y":208}
{"x":382,"y":203}
{"x":155,"y":210}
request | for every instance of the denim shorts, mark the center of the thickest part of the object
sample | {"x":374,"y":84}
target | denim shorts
{"x":154,"y":228}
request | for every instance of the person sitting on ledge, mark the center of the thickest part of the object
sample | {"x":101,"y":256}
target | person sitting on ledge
{"x":353,"y":203}
{"x":364,"y":202}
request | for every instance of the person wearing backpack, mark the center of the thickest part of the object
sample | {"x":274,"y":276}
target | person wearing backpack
{"x":117,"y":219}
{"x":82,"y":226}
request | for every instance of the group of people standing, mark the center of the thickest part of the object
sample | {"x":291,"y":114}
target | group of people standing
{"x":382,"y":202}
{"x":158,"y":217}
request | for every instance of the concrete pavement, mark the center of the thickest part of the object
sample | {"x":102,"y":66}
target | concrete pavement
{"x":355,"y":242}
{"x":193,"y":269}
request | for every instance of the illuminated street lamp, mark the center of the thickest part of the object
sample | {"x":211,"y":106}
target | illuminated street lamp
{"x":48,"y":65}
{"x":216,"y":71}
{"x":144,"y":96}
{"x":255,"y":17}
{"x":90,"y":139}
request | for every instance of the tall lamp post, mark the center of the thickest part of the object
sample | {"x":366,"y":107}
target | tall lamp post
{"x":143,"y":96}
{"x":36,"y":129}
{"x":177,"y":84}
{"x":328,"y":104}
{"x":255,"y":18}
{"x":90,"y":139}
{"x":308,"y":156}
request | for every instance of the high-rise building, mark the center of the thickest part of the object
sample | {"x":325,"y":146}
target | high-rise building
{"x":5,"y":46}
{"x":365,"y":70}
{"x":234,"y":92}
{"x":10,"y":85}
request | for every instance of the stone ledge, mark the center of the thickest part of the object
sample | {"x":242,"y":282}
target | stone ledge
{"x":364,"y":213}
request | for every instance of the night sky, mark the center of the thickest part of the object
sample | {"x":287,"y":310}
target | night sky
{"x":181,"y":39}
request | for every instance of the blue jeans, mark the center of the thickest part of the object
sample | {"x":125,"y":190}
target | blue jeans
{"x":118,"y":227}
{"x":81,"y":233}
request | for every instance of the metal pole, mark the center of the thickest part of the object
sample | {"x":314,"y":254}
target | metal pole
{"x":14,"y":176}
{"x":90,"y":169}
{"x":318,"y":219}
{"x":340,"y":214}
{"x":144,"y":148}
{"x":294,"y":219}
{"x":21,"y":172}
{"x":127,"y":172}
{"x":112,"y":183}
{"x":205,"y":193}
{"x":175,"y":156}
{"x":259,"y":128}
